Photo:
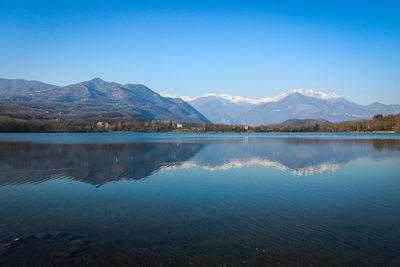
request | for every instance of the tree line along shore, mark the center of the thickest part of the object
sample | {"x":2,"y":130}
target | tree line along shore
{"x":109,"y":122}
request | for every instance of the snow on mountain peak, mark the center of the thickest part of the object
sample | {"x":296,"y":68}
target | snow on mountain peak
{"x":184,"y":98}
{"x":313,"y":93}
{"x":234,"y":99}
{"x":239,"y":99}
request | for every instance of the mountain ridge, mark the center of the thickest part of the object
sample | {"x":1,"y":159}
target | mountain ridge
{"x":255,"y":101}
{"x":11,"y":87}
{"x":136,"y":100}
{"x":96,"y":96}
{"x":297,"y":103}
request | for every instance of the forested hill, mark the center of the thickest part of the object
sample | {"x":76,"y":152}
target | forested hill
{"x":378,"y":123}
{"x":95,"y":96}
{"x":297,"y":122}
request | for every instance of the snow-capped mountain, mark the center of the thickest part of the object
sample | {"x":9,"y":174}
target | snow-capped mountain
{"x":239,"y":99}
{"x":298,"y":103}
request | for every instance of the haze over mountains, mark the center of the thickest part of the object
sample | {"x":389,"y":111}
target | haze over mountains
{"x":94,"y":96}
{"x":100,"y":97}
{"x":296,"y":104}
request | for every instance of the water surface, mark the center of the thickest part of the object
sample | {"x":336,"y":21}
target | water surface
{"x":200,"y":199}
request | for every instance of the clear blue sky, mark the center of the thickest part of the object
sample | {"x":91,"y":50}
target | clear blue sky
{"x":247,"y":48}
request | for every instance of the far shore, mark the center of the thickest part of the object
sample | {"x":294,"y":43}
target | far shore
{"x":379,"y":132}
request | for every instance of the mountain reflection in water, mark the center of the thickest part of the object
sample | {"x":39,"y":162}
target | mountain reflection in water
{"x":95,"y":164}
{"x":199,"y":200}
{"x":100,"y":163}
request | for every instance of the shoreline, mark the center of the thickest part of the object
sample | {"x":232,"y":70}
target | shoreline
{"x":195,"y":132}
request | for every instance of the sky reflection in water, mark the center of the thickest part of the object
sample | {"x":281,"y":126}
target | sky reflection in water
{"x":201,"y":199}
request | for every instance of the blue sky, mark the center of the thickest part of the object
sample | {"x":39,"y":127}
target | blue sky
{"x":247,"y":48}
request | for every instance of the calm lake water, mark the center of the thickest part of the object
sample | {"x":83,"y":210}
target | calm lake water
{"x":200,"y":199}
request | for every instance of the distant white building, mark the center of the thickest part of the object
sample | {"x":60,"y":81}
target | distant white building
{"x":179,"y":125}
{"x":103,"y":124}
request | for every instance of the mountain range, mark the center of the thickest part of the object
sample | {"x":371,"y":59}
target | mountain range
{"x":135,"y":100}
{"x":94,"y":96}
{"x":298,"y":103}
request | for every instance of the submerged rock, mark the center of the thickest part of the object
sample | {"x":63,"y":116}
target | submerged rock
{"x":65,"y":245}
{"x":27,"y":237}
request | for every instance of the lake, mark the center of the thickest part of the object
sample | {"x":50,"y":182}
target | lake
{"x":200,"y":199}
